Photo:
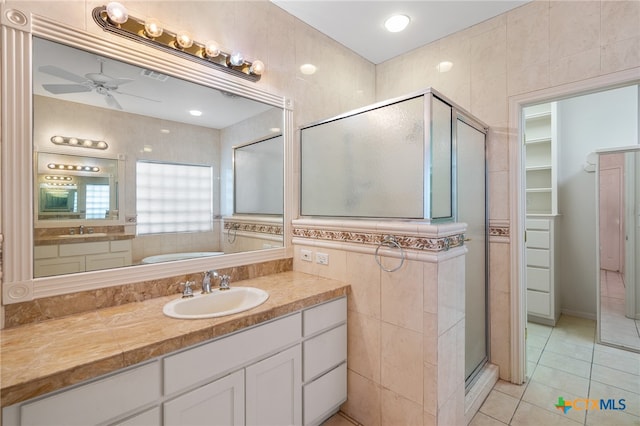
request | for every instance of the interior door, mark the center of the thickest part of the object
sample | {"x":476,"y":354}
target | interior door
{"x":611,"y":212}
{"x":471,"y":208}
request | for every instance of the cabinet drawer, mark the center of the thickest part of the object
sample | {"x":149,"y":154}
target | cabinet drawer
{"x":45,"y":252}
{"x":148,"y":418}
{"x":324,"y":351}
{"x":80,"y":249}
{"x":542,"y":224}
{"x":120,"y":245}
{"x":538,"y":257}
{"x":95,"y":262}
{"x":538,"y":303}
{"x":98,"y":401}
{"x":227,"y":353}
{"x":324,"y":316}
{"x":538,"y":279}
{"x":538,"y":239}
{"x":323,"y":396}
{"x":58,"y":266}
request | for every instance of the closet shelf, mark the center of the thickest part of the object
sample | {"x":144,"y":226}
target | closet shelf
{"x":538,"y":189}
{"x":546,"y":139}
{"x":534,"y":168}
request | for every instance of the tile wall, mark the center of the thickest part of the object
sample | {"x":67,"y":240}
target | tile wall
{"x":406,"y":328}
{"x":537,"y":46}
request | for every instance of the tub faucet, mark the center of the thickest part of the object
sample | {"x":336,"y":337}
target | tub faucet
{"x":206,"y":281}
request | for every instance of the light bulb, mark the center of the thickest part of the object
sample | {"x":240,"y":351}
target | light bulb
{"x":236,"y":59}
{"x":73,"y":141}
{"x":117,"y":13}
{"x":211,"y":49}
{"x":396,"y":23}
{"x":51,"y":166}
{"x":257,"y":67}
{"x":57,"y":139}
{"x":152,"y":28}
{"x":184,"y":39}
{"x":102,"y":145}
{"x":308,"y":69}
{"x":88,"y":143}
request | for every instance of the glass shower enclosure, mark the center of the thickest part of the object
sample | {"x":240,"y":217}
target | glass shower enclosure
{"x":418,"y":157}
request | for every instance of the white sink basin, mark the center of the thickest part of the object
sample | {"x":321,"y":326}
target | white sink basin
{"x":95,"y":234}
{"x":218,"y":303}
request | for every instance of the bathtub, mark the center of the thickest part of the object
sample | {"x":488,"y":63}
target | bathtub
{"x":179,"y":256}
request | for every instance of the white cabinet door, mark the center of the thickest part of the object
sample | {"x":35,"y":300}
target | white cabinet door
{"x":220,"y":403}
{"x":274,"y":390}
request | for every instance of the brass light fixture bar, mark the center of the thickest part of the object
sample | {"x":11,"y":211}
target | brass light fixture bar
{"x":79,"y":142}
{"x":115,"y":19}
{"x":74,"y":167}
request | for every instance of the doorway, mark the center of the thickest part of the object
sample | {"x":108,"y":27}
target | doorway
{"x":518,"y":191}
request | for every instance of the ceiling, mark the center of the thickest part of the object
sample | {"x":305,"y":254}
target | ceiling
{"x":359,"y":25}
{"x":147,"y":93}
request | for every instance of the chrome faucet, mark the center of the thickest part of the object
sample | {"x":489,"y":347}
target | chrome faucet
{"x":81,"y":230}
{"x":206,"y":281}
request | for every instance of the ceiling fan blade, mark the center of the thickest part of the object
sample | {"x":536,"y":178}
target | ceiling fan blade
{"x":59,"y":72}
{"x":112,"y":102}
{"x":60,"y":89}
{"x":136,"y":96}
{"x":118,"y":81}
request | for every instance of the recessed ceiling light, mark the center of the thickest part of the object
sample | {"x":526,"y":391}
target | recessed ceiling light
{"x":165,"y":131}
{"x":195,"y":113}
{"x":308,"y":69}
{"x":445,"y":66}
{"x":397,"y":23}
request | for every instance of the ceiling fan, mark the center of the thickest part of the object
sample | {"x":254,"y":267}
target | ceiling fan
{"x":100,"y":82}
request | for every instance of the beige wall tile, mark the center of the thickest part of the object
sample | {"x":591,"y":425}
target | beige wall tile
{"x":364,"y":276}
{"x":620,"y":55}
{"x":451,"y":307}
{"x":499,"y":270}
{"x":498,"y":195}
{"x":497,"y":149}
{"x":576,"y":67}
{"x":430,"y":403}
{"x":397,"y":410}
{"x":449,"y":376}
{"x":363,"y":399}
{"x":489,"y":98}
{"x":500,"y":332}
{"x":402,"y":298}
{"x":574,"y":26}
{"x":430,"y":338}
{"x":528,"y":35}
{"x":428,"y":419}
{"x":363,"y":345}
{"x":619,"y":20}
{"x":430,"y":287}
{"x":488,"y":51}
{"x":401,"y":363}
{"x":528,"y":77}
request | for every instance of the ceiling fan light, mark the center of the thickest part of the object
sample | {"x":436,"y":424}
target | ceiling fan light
{"x":152,"y":28}
{"x":117,"y":13}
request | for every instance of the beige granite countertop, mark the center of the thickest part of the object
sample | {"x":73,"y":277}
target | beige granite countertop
{"x":46,"y":356}
{"x":50,"y":240}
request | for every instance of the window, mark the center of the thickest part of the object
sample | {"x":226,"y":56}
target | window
{"x":173,"y":197}
{"x":97,"y":204}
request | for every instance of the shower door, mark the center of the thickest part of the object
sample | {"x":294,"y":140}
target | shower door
{"x":471,"y":207}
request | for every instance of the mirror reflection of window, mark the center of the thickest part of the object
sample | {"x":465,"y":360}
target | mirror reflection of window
{"x":173,"y":198}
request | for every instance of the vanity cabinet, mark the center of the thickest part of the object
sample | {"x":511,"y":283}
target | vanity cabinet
{"x":288,"y":371}
{"x":61,"y":259}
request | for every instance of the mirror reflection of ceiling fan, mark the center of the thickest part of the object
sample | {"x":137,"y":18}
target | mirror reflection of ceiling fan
{"x":98,"y":82}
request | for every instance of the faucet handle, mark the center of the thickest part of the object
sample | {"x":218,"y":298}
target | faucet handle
{"x":188,"y":291}
{"x":224,"y":282}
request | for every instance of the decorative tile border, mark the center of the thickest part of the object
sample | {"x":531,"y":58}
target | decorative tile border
{"x":499,"y":231}
{"x":256,"y":227}
{"x":405,"y":241}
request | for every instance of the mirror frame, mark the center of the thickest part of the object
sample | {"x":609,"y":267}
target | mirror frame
{"x":619,"y":150}
{"x":18,"y":29}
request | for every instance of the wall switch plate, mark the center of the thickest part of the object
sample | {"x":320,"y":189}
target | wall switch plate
{"x":322,"y":258}
{"x":305,"y":255}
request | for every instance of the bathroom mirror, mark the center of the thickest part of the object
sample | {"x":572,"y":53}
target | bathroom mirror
{"x":103,"y":88}
{"x":142,"y":115}
{"x":69,"y":187}
{"x":618,"y":212}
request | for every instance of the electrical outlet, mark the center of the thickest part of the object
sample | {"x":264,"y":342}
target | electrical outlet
{"x":306,"y":255}
{"x":322,"y":258}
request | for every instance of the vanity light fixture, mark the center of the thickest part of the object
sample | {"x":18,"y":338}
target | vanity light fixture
{"x":74,"y":167}
{"x":83,"y":143}
{"x":58,"y":178}
{"x":114,"y":18}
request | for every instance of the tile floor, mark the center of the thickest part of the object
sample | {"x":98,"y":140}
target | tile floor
{"x":615,"y":327}
{"x":565,"y":361}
